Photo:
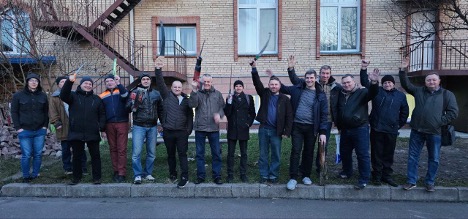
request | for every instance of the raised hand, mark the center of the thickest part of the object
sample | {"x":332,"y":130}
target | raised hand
{"x":72,"y":77}
{"x":364,"y":64}
{"x":374,"y":76}
{"x":194,"y":85}
{"x":117,"y":79}
{"x":253,"y":63}
{"x":269,"y":72}
{"x":405,"y":62}
{"x":291,"y":61}
{"x":159,"y":62}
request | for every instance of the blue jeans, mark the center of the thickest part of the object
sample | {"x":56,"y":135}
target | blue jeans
{"x":66,"y":158}
{"x":269,"y":140}
{"x":139,"y":134}
{"x":31,"y":143}
{"x":213,"y":138}
{"x":417,"y":140}
{"x":357,"y":139}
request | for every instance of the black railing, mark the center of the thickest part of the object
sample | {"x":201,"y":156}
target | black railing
{"x":439,"y":55}
{"x":176,"y":58}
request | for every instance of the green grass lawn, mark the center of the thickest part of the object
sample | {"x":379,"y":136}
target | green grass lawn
{"x":54,"y":173}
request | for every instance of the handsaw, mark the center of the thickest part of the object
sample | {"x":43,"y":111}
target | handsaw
{"x":263,"y":49}
{"x":162,"y":37}
{"x":196,"y":73}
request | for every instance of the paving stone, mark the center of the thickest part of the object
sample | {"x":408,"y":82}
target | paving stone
{"x":211,"y":190}
{"x":103,"y":190}
{"x":301,"y":191}
{"x":245,"y":190}
{"x":420,"y":194}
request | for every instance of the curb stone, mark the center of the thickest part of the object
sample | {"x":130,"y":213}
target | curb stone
{"x":242,"y":190}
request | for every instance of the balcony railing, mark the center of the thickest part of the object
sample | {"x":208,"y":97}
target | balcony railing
{"x":439,"y":55}
{"x":147,"y":50}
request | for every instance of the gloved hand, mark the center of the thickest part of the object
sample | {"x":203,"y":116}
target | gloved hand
{"x":199,"y":60}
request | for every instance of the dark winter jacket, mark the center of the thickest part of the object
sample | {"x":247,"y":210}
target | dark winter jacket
{"x":389,"y":108}
{"x":319,"y":109}
{"x":335,"y":89}
{"x":175,"y":116}
{"x":147,"y":107}
{"x":114,"y":102}
{"x":206,"y":104}
{"x":87,"y":115}
{"x":428,"y":116}
{"x":352,"y":107}
{"x":240,"y":115}
{"x":284,"y":113}
{"x":30,"y":110}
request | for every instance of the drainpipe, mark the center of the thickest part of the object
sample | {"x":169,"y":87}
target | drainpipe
{"x":132,"y":38}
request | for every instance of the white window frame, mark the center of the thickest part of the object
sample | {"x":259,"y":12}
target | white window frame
{"x":258,"y":7}
{"x":339,"y":6}
{"x":178,"y":28}
{"x":16,"y":44}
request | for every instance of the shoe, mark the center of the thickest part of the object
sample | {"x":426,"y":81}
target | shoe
{"x":68,"y":172}
{"x":360,"y":186}
{"x":244,"y":178}
{"x":263,"y":180}
{"x":74,"y":182}
{"x":430,"y":188}
{"x":230,"y":179}
{"x":273,"y":181}
{"x":27,"y":180}
{"x":390,"y":182}
{"x":182,"y":183}
{"x":291,"y":184}
{"x":173,"y":178}
{"x":149,"y":178}
{"x":409,"y":186}
{"x":120,"y":179}
{"x":85,"y":172}
{"x":199,"y":180}
{"x":307,"y":181}
{"x":218,"y":181}
{"x":343,"y":176}
{"x":97,"y":182}
{"x":137,"y":180}
{"x":115,"y":177}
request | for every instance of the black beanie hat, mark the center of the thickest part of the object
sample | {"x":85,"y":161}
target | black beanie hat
{"x":388,"y":78}
{"x":238,"y":82}
{"x":86,"y":78}
{"x":33,"y":75}
{"x":57,"y":81}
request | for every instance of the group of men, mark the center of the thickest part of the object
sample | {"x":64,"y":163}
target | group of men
{"x":317,"y":103}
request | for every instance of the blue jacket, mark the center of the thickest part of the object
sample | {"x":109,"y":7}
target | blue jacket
{"x":319,"y":108}
{"x":114,"y":101}
{"x":389,"y":108}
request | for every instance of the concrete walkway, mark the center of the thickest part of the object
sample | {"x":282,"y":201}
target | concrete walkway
{"x":239,"y":190}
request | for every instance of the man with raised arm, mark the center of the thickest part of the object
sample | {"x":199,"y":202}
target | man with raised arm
{"x":177,"y":122}
{"x":434,"y":107}
{"x":276,"y":117}
{"x":310,"y":111}
{"x":352,"y":121}
{"x":389,"y":113}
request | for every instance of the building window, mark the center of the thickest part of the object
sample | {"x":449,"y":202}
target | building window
{"x":256,"y":19}
{"x":16,"y":28}
{"x":185,"y":36}
{"x":339,"y":26}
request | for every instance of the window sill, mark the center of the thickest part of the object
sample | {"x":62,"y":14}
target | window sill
{"x":339,"y":53}
{"x":263,"y":55}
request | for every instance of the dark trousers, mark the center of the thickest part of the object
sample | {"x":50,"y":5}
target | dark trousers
{"x":356,"y":139}
{"x":382,"y":151}
{"x":230,"y":156}
{"x":78,"y":153}
{"x":176,"y":140}
{"x":117,"y":135}
{"x":302,"y":134}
